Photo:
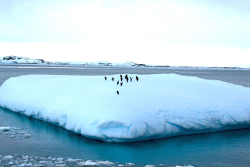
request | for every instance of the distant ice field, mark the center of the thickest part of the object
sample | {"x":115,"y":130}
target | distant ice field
{"x":156,"y":106}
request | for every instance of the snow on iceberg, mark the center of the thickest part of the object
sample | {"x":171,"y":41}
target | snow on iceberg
{"x":156,"y":106}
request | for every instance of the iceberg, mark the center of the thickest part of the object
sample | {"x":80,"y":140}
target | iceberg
{"x":156,"y":106}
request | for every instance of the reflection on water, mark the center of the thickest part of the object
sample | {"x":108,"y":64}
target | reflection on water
{"x":214,"y":149}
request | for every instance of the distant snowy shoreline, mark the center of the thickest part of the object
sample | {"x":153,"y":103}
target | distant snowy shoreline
{"x":16,"y":60}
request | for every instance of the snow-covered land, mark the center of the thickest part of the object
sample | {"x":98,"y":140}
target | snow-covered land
{"x":20,"y":60}
{"x":25,"y":60}
{"x":156,"y":106}
{"x":16,"y":60}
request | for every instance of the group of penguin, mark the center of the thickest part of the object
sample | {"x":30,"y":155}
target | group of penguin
{"x":121,"y":82}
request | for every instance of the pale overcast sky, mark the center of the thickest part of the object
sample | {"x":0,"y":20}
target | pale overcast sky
{"x":164,"y":32}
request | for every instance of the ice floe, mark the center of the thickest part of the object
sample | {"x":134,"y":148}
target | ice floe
{"x":156,"y":106}
{"x":5,"y":129}
{"x":13,"y":132}
{"x":25,"y":160}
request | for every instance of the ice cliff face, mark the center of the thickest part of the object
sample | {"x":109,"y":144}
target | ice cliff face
{"x":155,"y":106}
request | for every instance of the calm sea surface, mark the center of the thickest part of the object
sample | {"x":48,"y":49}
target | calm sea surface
{"x":230,"y":148}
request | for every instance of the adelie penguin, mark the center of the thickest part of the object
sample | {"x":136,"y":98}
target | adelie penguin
{"x":117,"y":92}
{"x":131,"y":78}
{"x":121,"y":83}
{"x":137,"y":78}
{"x":117,"y":83}
{"x":113,"y":78}
{"x":127,"y":79}
{"x":105,"y":78}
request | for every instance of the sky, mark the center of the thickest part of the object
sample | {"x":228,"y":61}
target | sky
{"x":160,"y":32}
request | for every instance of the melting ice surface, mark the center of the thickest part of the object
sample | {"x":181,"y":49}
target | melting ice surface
{"x":156,"y":106}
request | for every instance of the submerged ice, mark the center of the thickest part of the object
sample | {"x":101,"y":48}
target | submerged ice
{"x":156,"y":106}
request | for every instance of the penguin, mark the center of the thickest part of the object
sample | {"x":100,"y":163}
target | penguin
{"x":121,"y":79}
{"x":117,"y":92}
{"x":137,"y":78}
{"x":127,"y":79}
{"x":121,"y":83}
{"x":113,"y":78}
{"x":131,"y":78}
{"x":120,"y":75}
{"x":117,"y":83}
{"x":105,"y":78}
{"x":126,"y":76}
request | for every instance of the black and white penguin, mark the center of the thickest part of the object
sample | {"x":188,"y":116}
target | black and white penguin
{"x":113,"y":78}
{"x":105,"y":78}
{"x":137,"y":78}
{"x":121,"y":83}
{"x":117,"y":92}
{"x":117,"y":83}
{"x":131,"y":79}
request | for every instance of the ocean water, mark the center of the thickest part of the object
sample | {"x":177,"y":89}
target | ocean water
{"x":229,"y":148}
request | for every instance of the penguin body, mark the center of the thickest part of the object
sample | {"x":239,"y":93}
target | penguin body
{"x":137,"y":78}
